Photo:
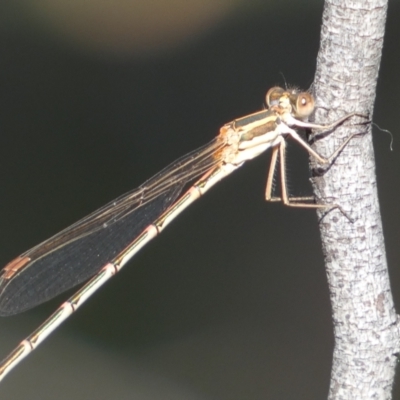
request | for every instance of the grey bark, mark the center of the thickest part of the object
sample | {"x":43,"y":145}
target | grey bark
{"x":366,"y":327}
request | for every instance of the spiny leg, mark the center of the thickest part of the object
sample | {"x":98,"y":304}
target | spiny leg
{"x":312,"y":152}
{"x":292,"y":121}
{"x":299,"y":201}
{"x":270,"y":179}
{"x":271,"y":174}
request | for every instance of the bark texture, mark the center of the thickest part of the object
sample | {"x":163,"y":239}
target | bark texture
{"x":366,"y":327}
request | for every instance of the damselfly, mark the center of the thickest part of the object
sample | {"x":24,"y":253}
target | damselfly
{"x":100,"y":244}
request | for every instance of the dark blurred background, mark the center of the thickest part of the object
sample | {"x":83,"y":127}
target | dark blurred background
{"x":231,"y":302}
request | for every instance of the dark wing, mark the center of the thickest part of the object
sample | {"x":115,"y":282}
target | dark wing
{"x":80,"y":251}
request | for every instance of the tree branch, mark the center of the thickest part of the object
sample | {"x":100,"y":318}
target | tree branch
{"x":366,"y":327}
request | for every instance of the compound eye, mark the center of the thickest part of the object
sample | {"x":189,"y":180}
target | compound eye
{"x":273,"y":95}
{"x":304,"y":105}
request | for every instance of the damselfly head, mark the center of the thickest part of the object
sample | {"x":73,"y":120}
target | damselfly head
{"x":299,"y":104}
